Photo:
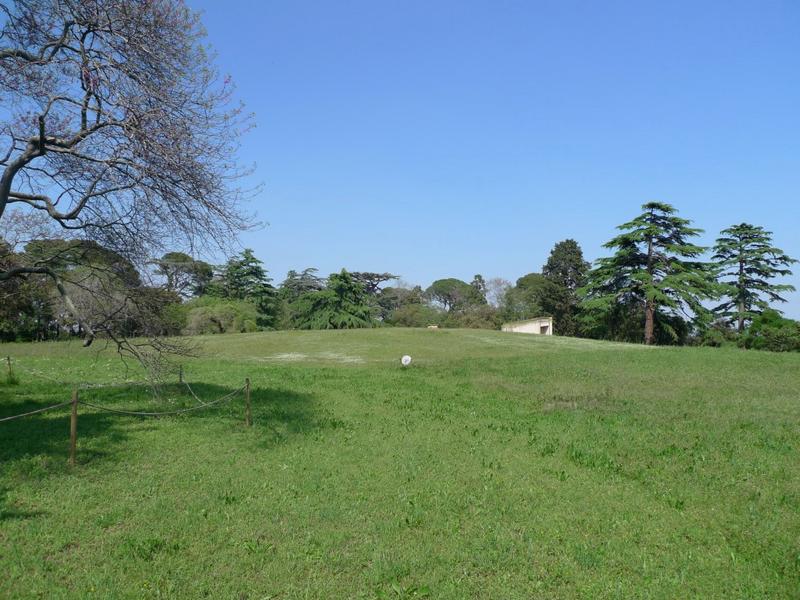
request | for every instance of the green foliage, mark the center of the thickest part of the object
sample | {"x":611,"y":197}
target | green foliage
{"x":296,"y":284}
{"x":183,"y":274}
{"x":565,"y":270}
{"x":478,"y":283}
{"x":175,"y":318}
{"x":105,"y":287}
{"x":770,"y":331}
{"x":393,"y":299}
{"x":293,"y":287}
{"x":27,"y":310}
{"x":523,"y":301}
{"x":748,"y":262}
{"x":343,"y":304}
{"x":415,"y":315}
{"x":243,"y":277}
{"x":453,"y":294}
{"x":625,"y":323}
{"x":717,"y":335}
{"x":68,"y":255}
{"x":371,"y":282}
{"x":157,"y":312}
{"x":209,"y":314}
{"x":566,"y":265}
{"x":477,"y":316}
{"x":655,"y":266}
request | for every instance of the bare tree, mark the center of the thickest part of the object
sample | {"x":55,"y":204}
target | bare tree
{"x":496,"y":289}
{"x":18,"y":227}
{"x":118,"y":128}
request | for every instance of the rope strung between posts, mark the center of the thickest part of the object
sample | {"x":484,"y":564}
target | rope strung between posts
{"x":129,"y":412}
{"x":165,"y":413}
{"x":82,"y":386}
{"x":119,"y":411}
{"x":191,"y":391}
{"x":89,"y":386}
{"x":33,"y":412}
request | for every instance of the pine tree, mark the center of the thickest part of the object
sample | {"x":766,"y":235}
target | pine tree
{"x":566,"y":265}
{"x":655,"y":266}
{"x":244,"y":277}
{"x":565,"y":271}
{"x":749,"y":262}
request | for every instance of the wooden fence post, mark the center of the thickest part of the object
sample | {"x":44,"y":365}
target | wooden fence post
{"x":180,"y":373}
{"x":73,"y":428}
{"x":10,"y":372}
{"x":248,"y":415}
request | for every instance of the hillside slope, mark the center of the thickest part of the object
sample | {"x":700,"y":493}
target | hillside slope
{"x":497,"y":465}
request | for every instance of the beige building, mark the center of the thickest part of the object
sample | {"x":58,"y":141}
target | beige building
{"x":538,"y":326}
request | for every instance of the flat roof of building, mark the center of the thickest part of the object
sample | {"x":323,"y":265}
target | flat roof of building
{"x":523,"y":322}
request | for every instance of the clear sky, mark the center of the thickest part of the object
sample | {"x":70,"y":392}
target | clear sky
{"x":444,"y":139}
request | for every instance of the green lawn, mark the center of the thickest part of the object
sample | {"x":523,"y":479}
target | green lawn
{"x":496,"y":466}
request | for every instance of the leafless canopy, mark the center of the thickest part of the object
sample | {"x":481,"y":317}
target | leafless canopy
{"x":114,"y":124}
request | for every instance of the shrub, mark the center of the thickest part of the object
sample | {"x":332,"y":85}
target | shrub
{"x":415,"y":315}
{"x":770,"y":331}
{"x":475,"y":317}
{"x":716,"y":336}
{"x":216,"y":315}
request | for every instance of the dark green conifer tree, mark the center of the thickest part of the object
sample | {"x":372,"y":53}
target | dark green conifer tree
{"x":655,"y":266}
{"x":749,"y":262}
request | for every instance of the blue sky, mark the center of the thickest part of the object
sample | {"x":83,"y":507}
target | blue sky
{"x":444,"y":139}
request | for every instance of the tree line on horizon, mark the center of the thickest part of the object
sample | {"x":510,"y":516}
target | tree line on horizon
{"x":653,"y":288}
{"x":119,"y":165}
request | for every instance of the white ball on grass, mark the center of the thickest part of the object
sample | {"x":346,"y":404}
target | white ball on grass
{"x":406,"y":360}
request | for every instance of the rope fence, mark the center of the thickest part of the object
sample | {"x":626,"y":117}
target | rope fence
{"x":163,"y":413}
{"x":34,"y":412}
{"x":75,"y":401}
{"x":82,"y":386}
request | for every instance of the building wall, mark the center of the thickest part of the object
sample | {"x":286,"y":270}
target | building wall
{"x":543,"y":326}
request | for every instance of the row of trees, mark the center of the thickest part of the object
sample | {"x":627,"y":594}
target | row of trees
{"x":119,"y":142}
{"x":654,"y":288}
{"x":657,"y":269}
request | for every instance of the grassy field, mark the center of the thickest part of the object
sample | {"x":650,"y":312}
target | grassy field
{"x":496,"y":466}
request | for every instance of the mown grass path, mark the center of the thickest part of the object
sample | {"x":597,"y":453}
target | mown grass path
{"x":496,"y":466}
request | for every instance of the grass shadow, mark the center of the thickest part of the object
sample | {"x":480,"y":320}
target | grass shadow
{"x":38,"y":445}
{"x":44,"y":438}
{"x":283,"y":413}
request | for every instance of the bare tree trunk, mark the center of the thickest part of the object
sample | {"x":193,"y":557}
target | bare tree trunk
{"x":741,"y":292}
{"x":649,"y":306}
{"x":741,"y":316}
{"x":649,"y":319}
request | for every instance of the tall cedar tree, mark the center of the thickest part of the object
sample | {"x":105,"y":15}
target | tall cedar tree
{"x":749,"y":261}
{"x":343,"y":304}
{"x":654,"y":265}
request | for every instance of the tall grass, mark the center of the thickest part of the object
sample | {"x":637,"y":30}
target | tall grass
{"x":495,"y":466}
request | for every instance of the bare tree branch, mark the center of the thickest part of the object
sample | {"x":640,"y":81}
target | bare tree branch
{"x":117,"y":126}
